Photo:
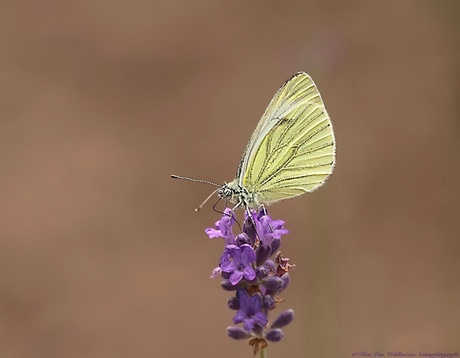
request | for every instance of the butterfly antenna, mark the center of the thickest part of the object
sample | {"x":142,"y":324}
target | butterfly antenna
{"x":199,"y":181}
{"x":194,"y":180}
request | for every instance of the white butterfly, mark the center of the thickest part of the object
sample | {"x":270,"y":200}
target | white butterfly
{"x":291,"y":152}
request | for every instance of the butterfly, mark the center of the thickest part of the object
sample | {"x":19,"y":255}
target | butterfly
{"x":291,"y":152}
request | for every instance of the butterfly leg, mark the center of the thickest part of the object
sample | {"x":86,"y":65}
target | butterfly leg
{"x":240,"y":203}
{"x":263,"y":209}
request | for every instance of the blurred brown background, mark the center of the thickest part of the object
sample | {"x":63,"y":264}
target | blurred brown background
{"x":101,"y":254}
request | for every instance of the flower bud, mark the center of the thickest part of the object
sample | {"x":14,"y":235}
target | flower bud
{"x":249,"y":229}
{"x":270,"y":265}
{"x":286,"y":279}
{"x":261,"y":272}
{"x":233,"y":303}
{"x":276,"y":243}
{"x":237,"y":333}
{"x":242,"y":239}
{"x":227,"y":285}
{"x":274,"y":335}
{"x":268,"y":302}
{"x":283,"y":319}
{"x":225,"y":275}
{"x":273,"y":284}
{"x":262,"y":255}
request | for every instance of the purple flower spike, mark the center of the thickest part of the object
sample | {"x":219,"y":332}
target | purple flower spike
{"x":223,"y":227}
{"x":251,"y":311}
{"x":253,"y":276}
{"x":237,"y":261}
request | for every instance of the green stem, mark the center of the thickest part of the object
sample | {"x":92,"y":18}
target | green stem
{"x":263,"y":353}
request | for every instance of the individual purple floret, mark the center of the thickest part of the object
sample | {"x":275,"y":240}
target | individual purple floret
{"x":224,"y":227}
{"x":250,"y":312}
{"x":237,"y":261}
{"x":268,"y":229}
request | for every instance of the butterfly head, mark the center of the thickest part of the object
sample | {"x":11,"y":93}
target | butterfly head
{"x":230,"y":192}
{"x":225,"y":192}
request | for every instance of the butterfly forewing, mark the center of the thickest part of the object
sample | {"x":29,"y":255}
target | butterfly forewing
{"x":292,"y":150}
{"x":299,"y":87}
